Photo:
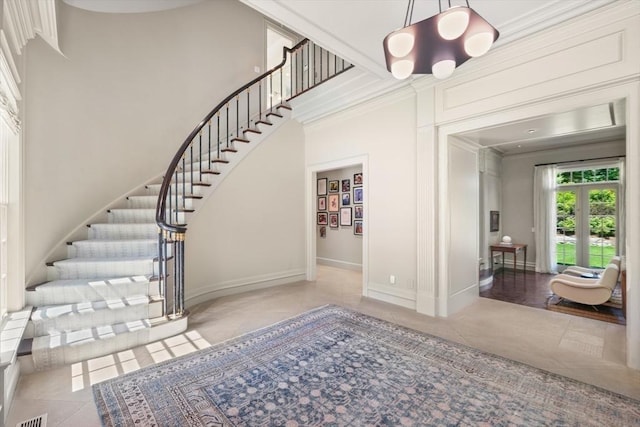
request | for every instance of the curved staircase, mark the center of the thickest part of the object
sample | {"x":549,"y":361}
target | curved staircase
{"x":124,"y":285}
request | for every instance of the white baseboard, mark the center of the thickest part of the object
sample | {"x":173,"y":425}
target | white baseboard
{"x":245,"y":284}
{"x":486,"y":283}
{"x":339,"y":264}
{"x":402,"y":297}
{"x":461,"y":299}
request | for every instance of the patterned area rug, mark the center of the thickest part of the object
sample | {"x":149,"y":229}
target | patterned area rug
{"x":332,"y":366}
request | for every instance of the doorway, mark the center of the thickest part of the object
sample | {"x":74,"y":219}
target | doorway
{"x":587,"y":218}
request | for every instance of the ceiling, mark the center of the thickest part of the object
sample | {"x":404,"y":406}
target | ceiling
{"x":354,"y":29}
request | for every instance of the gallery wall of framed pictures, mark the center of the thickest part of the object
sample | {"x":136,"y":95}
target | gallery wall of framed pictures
{"x":340,"y":197}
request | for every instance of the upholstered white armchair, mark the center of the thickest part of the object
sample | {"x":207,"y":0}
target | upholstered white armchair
{"x":585,"y":271}
{"x":586,"y":291}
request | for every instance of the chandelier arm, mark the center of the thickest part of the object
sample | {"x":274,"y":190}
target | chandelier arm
{"x":409,"y":15}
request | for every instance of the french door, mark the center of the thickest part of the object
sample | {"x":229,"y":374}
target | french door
{"x":586,"y":225}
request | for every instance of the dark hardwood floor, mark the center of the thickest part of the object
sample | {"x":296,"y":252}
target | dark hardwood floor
{"x":530,"y":288}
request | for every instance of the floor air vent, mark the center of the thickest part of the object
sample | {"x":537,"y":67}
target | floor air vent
{"x":40,"y":421}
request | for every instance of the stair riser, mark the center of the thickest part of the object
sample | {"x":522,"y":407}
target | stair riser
{"x":139,"y":216}
{"x":46,"y":358}
{"x":112,"y":249}
{"x":142,"y":202}
{"x":149,"y":202}
{"x":96,"y":270}
{"x":98,"y":291}
{"x":123,"y":231}
{"x":92,"y":319}
{"x":198,"y":190}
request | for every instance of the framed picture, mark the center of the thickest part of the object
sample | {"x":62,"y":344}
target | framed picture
{"x":323,"y":231}
{"x":346,"y":185}
{"x":346,"y":199}
{"x":494,"y":221}
{"x":322,"y":186}
{"x":358,"y":212}
{"x":358,"y":195}
{"x":345,"y":216}
{"x":357,"y":179}
{"x":334,"y":202}
{"x":333,"y":220}
{"x":322,"y":203}
{"x":334,"y":186}
{"x":357,"y":227}
{"x":322,"y":218}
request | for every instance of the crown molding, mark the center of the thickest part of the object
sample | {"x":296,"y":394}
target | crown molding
{"x":23,"y":20}
{"x":8,"y":71}
{"x":281,"y":13}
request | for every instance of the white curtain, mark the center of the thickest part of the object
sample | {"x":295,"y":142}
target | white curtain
{"x":544,"y":218}
{"x":620,"y":232}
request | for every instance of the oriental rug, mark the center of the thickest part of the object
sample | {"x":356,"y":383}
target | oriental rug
{"x":333,"y":366}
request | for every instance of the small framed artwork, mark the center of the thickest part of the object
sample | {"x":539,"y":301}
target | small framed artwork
{"x":358,"y":195}
{"x":346,"y":185}
{"x":334,"y":202}
{"x":323,"y":218}
{"x":357,"y":179}
{"x":346,"y":199}
{"x":494,"y":221}
{"x":322,"y":203}
{"x":334,"y":186}
{"x":322,"y":186}
{"x":358,"y":212}
{"x":323,"y":231}
{"x":333,"y":220}
{"x":357,"y":227}
{"x":345,"y":216}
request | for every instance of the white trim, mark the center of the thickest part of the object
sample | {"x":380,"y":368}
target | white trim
{"x":310,"y":209}
{"x":339,"y":264}
{"x":244,"y":284}
{"x":398,"y":296}
{"x":462,"y":299}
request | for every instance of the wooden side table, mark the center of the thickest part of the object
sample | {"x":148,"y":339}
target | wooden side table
{"x":513,"y":248}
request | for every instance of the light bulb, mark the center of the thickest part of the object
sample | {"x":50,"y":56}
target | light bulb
{"x":443,"y":69}
{"x":453,"y":22}
{"x":478,"y":44}
{"x":402,"y":69}
{"x":400,"y":44}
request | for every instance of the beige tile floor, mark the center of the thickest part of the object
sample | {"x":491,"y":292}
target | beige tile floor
{"x":584,"y":349}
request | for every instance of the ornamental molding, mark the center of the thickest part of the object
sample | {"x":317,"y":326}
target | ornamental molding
{"x":9,"y":115}
{"x":23,"y":20}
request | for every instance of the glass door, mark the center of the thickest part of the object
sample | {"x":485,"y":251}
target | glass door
{"x":601,"y":223}
{"x":586,"y":225}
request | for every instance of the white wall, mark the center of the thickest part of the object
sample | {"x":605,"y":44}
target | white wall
{"x":385,"y":132}
{"x":517,"y":186}
{"x":110,"y":114}
{"x":250,"y":232}
{"x":340,"y":248}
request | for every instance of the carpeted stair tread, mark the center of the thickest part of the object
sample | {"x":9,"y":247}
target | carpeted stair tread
{"x":78,"y":268}
{"x":53,"y":311}
{"x":115,"y":231}
{"x":112,"y":248}
{"x":70,"y":291}
{"x":89,"y":314}
{"x":90,"y":335}
{"x":105,"y":259}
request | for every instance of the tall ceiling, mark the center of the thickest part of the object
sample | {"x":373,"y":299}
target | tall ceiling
{"x":354,"y":29}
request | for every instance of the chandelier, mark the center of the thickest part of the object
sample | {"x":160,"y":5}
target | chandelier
{"x":439,"y":44}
